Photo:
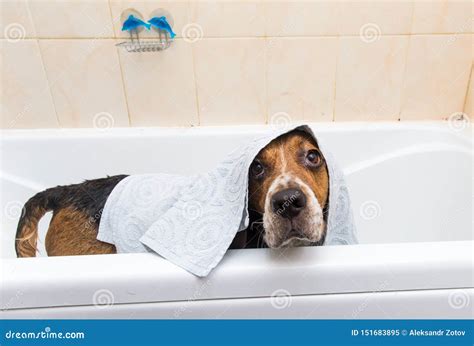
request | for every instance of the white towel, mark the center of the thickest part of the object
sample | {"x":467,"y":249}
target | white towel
{"x":192,"y":220}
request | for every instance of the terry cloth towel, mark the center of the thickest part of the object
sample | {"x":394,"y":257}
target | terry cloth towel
{"x":192,"y":220}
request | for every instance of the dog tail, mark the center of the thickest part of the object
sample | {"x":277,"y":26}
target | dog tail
{"x":32,"y":212}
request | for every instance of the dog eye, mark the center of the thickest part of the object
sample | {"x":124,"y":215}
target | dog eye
{"x":257,"y":169}
{"x":313,"y":158}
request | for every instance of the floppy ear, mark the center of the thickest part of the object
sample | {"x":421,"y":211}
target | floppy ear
{"x":307,"y":130}
{"x":240,"y":240}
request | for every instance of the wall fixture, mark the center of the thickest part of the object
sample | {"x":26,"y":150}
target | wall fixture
{"x":161,"y":22}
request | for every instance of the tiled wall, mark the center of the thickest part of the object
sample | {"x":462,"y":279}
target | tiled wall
{"x":235,"y":62}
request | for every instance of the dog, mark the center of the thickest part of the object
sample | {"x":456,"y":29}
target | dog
{"x":287,"y":202}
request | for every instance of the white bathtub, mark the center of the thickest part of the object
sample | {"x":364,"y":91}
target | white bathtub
{"x":411,"y":187}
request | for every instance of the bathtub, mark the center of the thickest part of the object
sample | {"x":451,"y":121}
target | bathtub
{"x":411,"y":188}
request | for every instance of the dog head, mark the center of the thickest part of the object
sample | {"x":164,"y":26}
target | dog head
{"x":289,"y":186}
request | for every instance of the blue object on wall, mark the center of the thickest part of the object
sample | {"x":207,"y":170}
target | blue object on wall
{"x":133,"y":22}
{"x":162,"y":24}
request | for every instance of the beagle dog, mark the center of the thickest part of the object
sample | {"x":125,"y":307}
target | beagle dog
{"x":287,"y":203}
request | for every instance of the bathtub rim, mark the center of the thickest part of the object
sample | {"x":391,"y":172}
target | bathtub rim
{"x":63,"y":281}
{"x":443,"y":126}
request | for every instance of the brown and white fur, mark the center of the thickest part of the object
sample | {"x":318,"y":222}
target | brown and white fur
{"x":288,"y":196}
{"x":292,"y":192}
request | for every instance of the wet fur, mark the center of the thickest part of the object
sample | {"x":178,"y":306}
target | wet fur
{"x":283,"y":160}
{"x":77,"y":210}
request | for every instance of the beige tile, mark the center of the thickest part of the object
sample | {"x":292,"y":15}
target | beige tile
{"x":71,"y":18}
{"x":374,"y":18}
{"x":15,"y":23}
{"x":26,"y":100}
{"x":436,"y":76}
{"x":160,"y":86}
{"x":229,"y":18}
{"x":442,"y":16}
{"x":469,"y":102}
{"x":179,"y":10}
{"x":230,"y":80}
{"x":369,"y":78}
{"x":300,"y":77}
{"x":302,"y":18}
{"x":86,"y":82}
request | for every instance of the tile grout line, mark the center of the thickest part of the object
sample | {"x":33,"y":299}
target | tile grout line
{"x":466,"y":94}
{"x":122,"y":77}
{"x":265,"y":82}
{"x":336,"y":68}
{"x":405,"y":67}
{"x":193,"y":58}
{"x":404,"y":77}
{"x":196,"y":92}
{"x":334,"y":94}
{"x":40,"y":52}
{"x":48,"y":81}
{"x":266,"y":100}
{"x":245,"y":37}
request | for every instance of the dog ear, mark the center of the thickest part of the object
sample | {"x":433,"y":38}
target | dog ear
{"x":240,"y":240}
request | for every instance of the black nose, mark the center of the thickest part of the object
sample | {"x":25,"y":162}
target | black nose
{"x":288,"y":203}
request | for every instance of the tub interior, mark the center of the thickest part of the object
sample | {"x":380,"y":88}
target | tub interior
{"x":408,"y":182}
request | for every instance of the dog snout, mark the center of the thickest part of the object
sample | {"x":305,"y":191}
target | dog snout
{"x":296,"y":233}
{"x":288,"y":203}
